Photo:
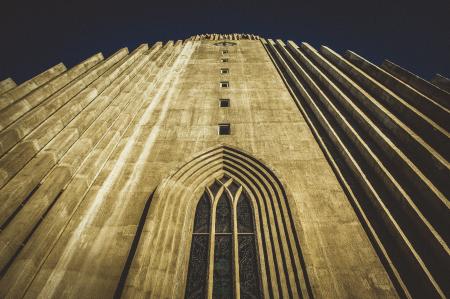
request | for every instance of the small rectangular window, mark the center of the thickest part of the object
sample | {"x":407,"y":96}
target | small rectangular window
{"x":224,"y":71}
{"x":224,"y":84}
{"x":224,"y":52}
{"x":224,"y":59}
{"x":224,"y":129}
{"x":224,"y":103}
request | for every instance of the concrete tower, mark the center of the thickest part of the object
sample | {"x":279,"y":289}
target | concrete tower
{"x":225,"y":166}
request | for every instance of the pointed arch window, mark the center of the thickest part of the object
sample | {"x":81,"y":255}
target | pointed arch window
{"x":198,"y":268}
{"x":229,"y":268}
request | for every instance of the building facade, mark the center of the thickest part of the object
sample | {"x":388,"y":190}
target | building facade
{"x":224,"y":166}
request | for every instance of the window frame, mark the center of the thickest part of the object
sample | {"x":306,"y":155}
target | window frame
{"x":227,"y":101}
{"x":224,"y":125}
{"x":232,"y":197}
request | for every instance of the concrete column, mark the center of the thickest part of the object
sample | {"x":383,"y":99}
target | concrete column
{"x":116,"y":115}
{"x":20,"y":91}
{"x":57,"y":121}
{"x":361,"y":133}
{"x":413,"y":96}
{"x":415,"y":134}
{"x":11,"y":135}
{"x":45,"y":242}
{"x":311,"y":96}
{"x":423,"y":86}
{"x":19,"y":108}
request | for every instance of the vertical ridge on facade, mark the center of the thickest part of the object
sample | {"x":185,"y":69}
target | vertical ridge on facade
{"x":59,"y":176}
{"x":422,"y":118}
{"x":69,"y":122}
{"x":31,"y":120}
{"x":83,"y":181}
{"x":20,"y":91}
{"x":395,"y":84}
{"x":14,"y":111}
{"x":418,"y":83}
{"x":432,"y":213}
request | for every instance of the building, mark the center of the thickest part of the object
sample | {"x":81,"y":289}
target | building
{"x":224,"y":166}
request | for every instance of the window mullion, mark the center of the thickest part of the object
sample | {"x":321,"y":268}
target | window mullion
{"x":236,"y":246}
{"x":212,"y":239}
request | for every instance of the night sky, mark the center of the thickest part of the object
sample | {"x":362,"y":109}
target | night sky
{"x":38,"y":34}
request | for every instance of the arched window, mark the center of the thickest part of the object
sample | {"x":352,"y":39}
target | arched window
{"x":198,"y":267}
{"x":223,"y":250}
{"x":248,"y":260}
{"x":233,"y":227}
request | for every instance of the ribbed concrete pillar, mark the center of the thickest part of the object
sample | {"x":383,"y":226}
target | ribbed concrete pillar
{"x":429,"y":120}
{"x":394,"y":83}
{"x":112,"y":120}
{"x":23,"y":89}
{"x":418,"y":83}
{"x":19,"y":108}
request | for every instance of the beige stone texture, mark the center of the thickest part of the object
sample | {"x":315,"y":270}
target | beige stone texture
{"x":101,"y":167}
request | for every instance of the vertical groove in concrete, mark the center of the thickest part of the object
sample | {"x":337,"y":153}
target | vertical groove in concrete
{"x":19,"y":156}
{"x":393,"y":153}
{"x":23,"y":89}
{"x":425,"y":87}
{"x":93,"y":199}
{"x":433,"y":174}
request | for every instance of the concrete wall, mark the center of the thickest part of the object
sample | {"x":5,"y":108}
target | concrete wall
{"x":80,"y":163}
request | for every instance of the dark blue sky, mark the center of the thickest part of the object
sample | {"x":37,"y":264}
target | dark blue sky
{"x":41,"y":33}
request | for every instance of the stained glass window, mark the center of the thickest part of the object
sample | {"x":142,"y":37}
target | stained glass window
{"x":244,"y":215}
{"x":223,"y":251}
{"x":197,"y":281}
{"x":215,"y":187}
{"x":223,"y":215}
{"x":233,"y":187}
{"x":224,"y":179}
{"x":248,"y":262}
{"x":224,"y":270}
{"x":223,"y":267}
{"x":202,"y":215}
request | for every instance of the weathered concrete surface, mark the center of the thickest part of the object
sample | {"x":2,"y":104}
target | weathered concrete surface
{"x":16,"y":93}
{"x":6,"y":85}
{"x":78,"y":173}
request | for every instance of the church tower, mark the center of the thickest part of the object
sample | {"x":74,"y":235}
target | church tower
{"x":225,"y":166}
